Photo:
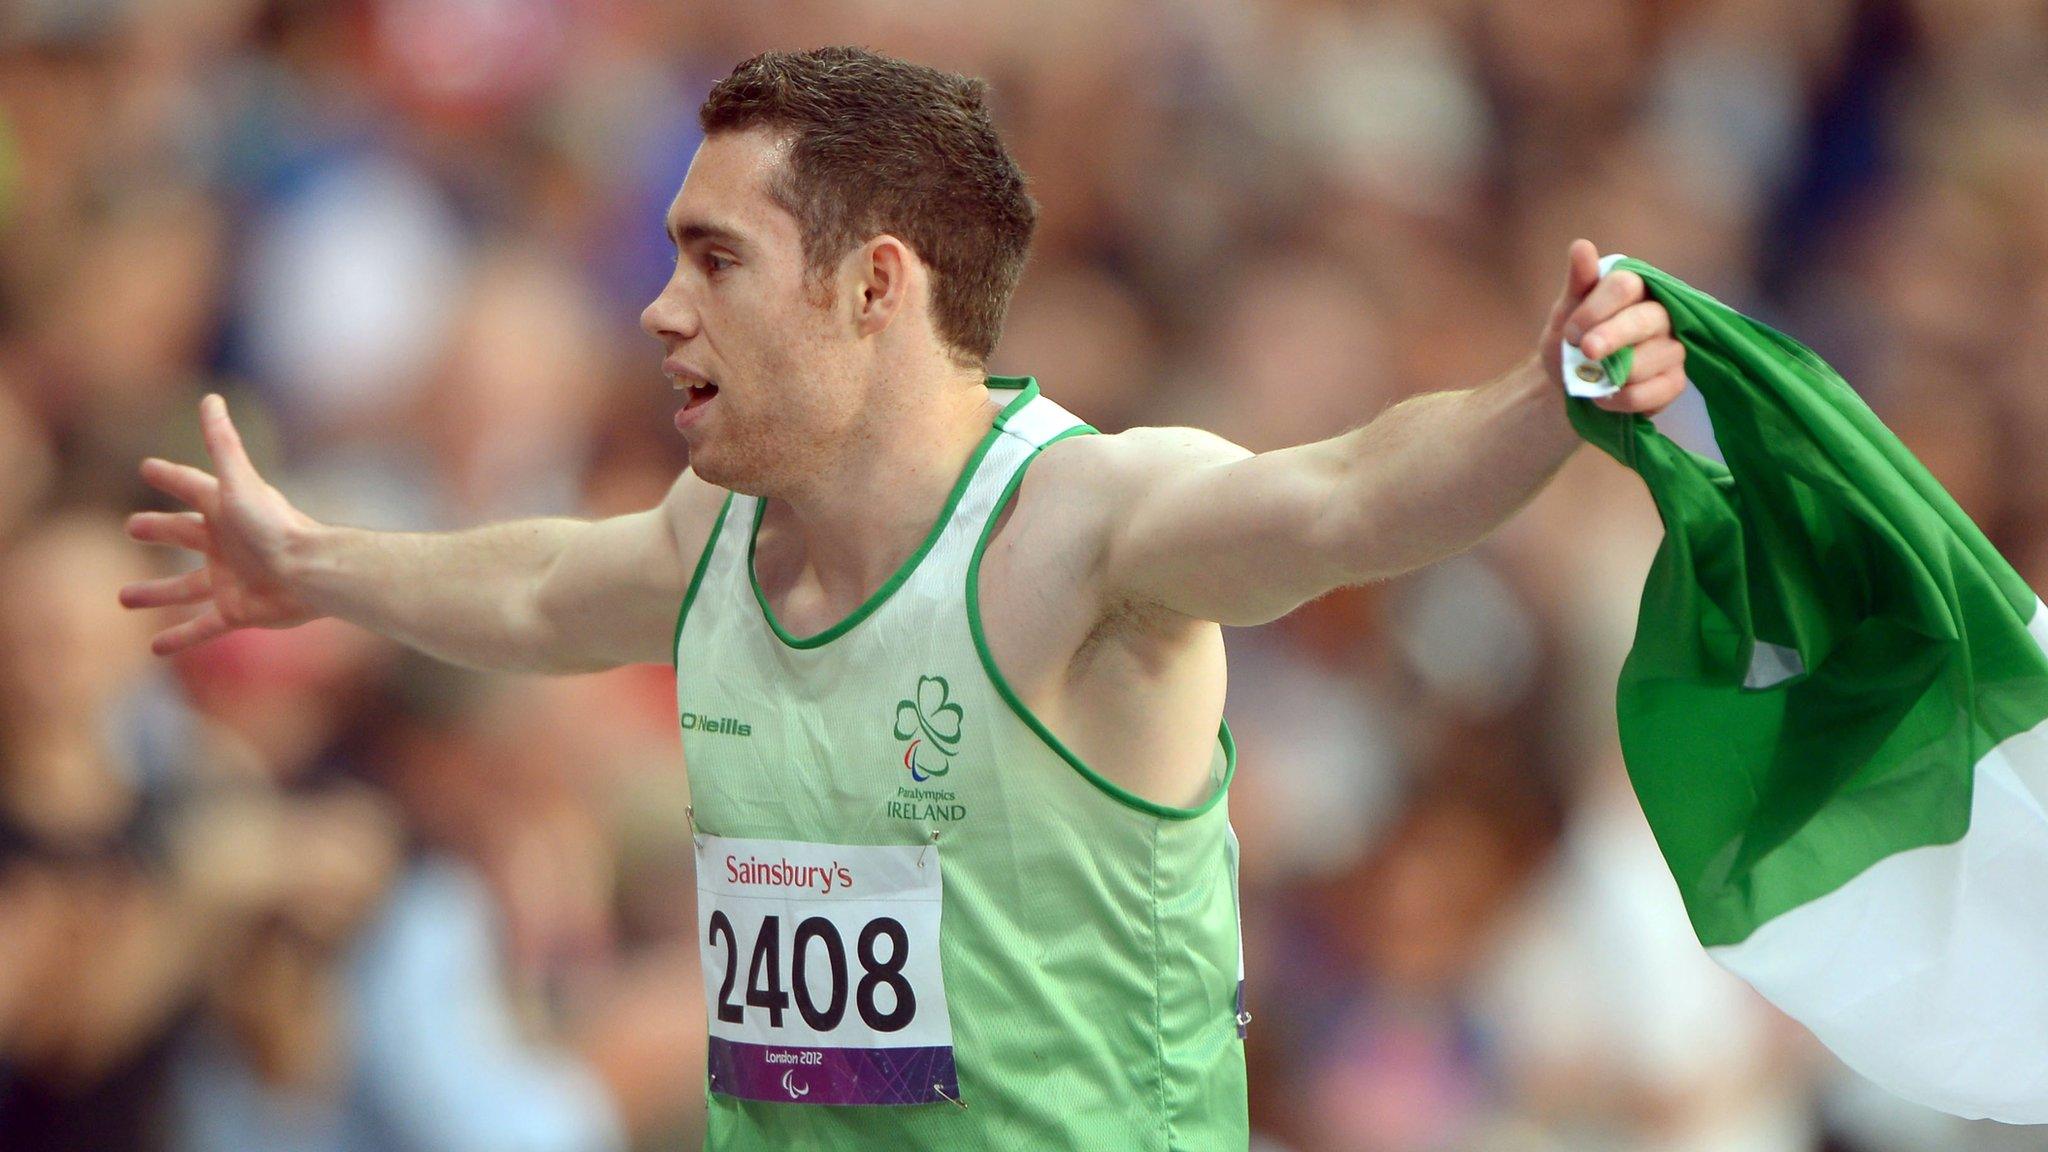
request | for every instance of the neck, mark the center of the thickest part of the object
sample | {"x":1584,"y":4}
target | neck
{"x":863,"y":514}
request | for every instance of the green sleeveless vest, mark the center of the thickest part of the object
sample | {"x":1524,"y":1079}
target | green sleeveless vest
{"x":925,"y":923}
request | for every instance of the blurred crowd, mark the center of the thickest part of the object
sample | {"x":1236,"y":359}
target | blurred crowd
{"x":304,"y":891}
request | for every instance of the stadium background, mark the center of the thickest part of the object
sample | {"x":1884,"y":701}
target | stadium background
{"x":301,"y":891}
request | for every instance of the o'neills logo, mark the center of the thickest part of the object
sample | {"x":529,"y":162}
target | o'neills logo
{"x":783,"y":874}
{"x":718,"y":725}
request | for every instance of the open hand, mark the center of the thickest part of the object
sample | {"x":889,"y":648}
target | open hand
{"x":1602,"y":314}
{"x":239,"y":524}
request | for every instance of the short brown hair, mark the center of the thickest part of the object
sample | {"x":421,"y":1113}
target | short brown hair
{"x":882,"y":145}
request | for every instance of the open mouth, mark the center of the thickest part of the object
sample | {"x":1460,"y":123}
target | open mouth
{"x":695,"y":397}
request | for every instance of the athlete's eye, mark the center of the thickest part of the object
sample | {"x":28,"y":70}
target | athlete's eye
{"x":715,"y":263}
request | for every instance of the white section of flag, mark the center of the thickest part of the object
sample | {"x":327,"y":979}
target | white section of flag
{"x":1929,"y":971}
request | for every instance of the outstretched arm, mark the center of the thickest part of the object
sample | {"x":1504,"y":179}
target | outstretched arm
{"x":549,"y":595}
{"x":1197,"y":525}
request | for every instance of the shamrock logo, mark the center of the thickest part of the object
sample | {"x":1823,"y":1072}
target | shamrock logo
{"x":931,"y":723}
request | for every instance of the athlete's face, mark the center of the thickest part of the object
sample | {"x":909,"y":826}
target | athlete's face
{"x":762,"y":362}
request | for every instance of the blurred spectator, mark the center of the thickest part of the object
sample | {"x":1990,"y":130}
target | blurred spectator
{"x":114,"y":878}
{"x":1616,"y":1028}
{"x":1384,"y":1048}
{"x":271,"y":1065}
{"x":493,"y":1009}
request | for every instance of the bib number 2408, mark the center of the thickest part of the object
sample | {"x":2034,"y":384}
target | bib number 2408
{"x":821,"y":967}
{"x":881,"y":949}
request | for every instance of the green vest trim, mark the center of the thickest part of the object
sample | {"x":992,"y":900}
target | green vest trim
{"x":1023,"y":711}
{"x":1028,"y":390}
{"x":696,"y":580}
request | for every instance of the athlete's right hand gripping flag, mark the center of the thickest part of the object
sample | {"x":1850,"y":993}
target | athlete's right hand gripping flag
{"x":1836,"y":718}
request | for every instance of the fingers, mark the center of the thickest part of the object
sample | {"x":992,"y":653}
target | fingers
{"x":1655,"y":380}
{"x":184,"y":588}
{"x":223,"y":443}
{"x":1634,"y":324}
{"x":183,"y":482}
{"x":1614,"y":293}
{"x":192,"y":633}
{"x":1582,"y":271}
{"x":194,"y":486}
{"x":176,"y":529}
{"x":1655,"y":357}
{"x":1647,"y":397}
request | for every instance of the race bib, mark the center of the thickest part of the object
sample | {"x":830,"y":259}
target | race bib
{"x":821,"y":972}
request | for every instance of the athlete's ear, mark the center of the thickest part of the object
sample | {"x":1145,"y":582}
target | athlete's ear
{"x":884,"y":270}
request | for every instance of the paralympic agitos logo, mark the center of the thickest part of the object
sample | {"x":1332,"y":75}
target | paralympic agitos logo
{"x":931,"y":722}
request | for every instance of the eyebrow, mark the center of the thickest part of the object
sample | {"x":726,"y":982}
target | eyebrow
{"x":697,"y":230}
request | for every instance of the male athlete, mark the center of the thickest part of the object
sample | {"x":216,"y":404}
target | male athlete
{"x":948,"y":667}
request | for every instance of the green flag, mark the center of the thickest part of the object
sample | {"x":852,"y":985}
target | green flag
{"x":1835,"y":715}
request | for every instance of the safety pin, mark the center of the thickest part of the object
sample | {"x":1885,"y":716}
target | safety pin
{"x":927,"y":848}
{"x":941,"y":1089}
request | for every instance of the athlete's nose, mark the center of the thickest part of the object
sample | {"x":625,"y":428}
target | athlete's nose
{"x":670,"y":316}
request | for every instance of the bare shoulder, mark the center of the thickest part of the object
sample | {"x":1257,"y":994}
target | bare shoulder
{"x":1135,"y":456}
{"x":1080,"y":490}
{"x":1106,"y":472}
